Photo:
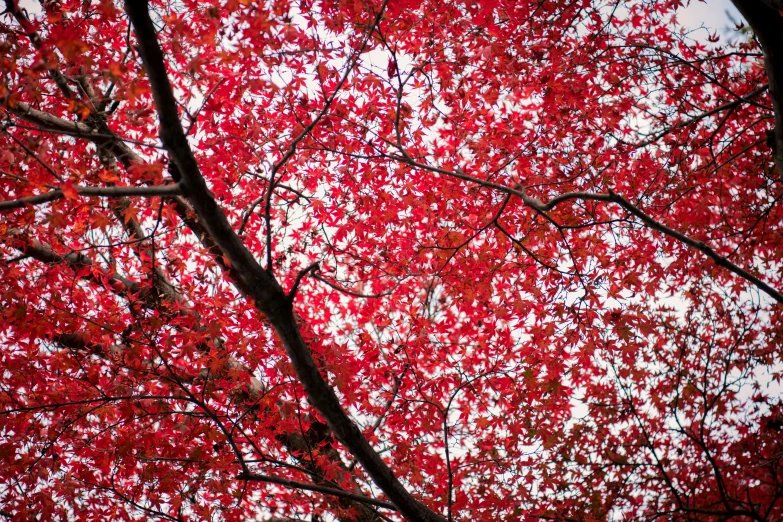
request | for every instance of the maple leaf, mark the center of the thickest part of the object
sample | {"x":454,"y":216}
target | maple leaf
{"x":69,"y":191}
{"x":419,"y":260}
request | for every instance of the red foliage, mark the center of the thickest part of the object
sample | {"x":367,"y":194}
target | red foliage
{"x":533,"y":250}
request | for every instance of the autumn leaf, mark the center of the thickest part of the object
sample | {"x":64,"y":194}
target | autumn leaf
{"x":69,"y":191}
{"x":407,"y":260}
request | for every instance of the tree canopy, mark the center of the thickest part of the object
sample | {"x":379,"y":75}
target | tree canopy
{"x":366,"y":260}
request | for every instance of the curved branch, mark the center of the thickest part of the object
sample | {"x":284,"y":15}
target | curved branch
{"x":612,"y":197}
{"x":312,"y":268}
{"x":697,"y":245}
{"x":726,"y":106}
{"x":349,"y":292}
{"x":45,"y":254}
{"x":584,"y":196}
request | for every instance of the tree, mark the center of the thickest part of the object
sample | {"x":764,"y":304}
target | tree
{"x":383,"y":260}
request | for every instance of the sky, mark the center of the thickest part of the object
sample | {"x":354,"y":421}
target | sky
{"x":715,"y":14}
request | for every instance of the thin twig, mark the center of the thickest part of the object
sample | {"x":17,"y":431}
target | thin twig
{"x":349,"y":292}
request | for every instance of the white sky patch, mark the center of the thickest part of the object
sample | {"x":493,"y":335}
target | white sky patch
{"x":718,"y":15}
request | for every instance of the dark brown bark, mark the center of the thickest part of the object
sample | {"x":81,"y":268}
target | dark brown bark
{"x":765,"y":17}
{"x":257,"y":283}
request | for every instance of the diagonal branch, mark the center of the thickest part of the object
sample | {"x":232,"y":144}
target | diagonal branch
{"x":267,"y":294}
{"x":611,"y":197}
{"x":103,"y":137}
{"x":697,"y":245}
{"x":45,"y":254}
{"x":725,"y":107}
{"x":654,"y":224}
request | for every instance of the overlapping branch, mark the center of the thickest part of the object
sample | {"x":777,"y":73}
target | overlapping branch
{"x":111,"y":145}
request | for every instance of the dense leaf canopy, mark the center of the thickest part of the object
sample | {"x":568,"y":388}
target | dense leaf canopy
{"x":366,"y":260}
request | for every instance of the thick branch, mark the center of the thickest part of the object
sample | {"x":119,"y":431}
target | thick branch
{"x":267,"y":294}
{"x":108,"y":143}
{"x":766,"y":19}
{"x":104,"y":138}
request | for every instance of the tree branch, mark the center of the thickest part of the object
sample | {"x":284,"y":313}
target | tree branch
{"x":660,"y":227}
{"x":12,"y":6}
{"x":726,"y":106}
{"x":108,"y":192}
{"x":267,"y":294}
{"x":114,"y":146}
{"x":111,"y":145}
{"x":613,"y":197}
{"x":312,"y":268}
{"x":45,"y":254}
{"x":104,"y":138}
{"x":766,"y":19}
{"x":349,"y":292}
{"x":315,"y":487}
{"x":697,"y":245}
